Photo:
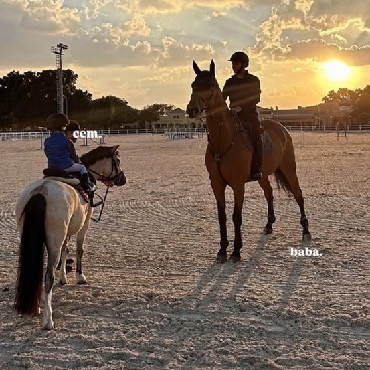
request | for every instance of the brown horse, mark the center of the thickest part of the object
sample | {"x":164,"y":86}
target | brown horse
{"x":228,"y":159}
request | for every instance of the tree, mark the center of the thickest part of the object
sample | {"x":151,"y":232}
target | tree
{"x":343,"y":95}
{"x":361,"y":107}
{"x":28,"y":98}
{"x":111,"y":112}
{"x":152,"y":113}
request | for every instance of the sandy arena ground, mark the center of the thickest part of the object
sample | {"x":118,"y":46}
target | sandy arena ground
{"x":156,"y":299}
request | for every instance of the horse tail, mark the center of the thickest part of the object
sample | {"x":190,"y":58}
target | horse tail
{"x":31,"y":257}
{"x":282,"y":181}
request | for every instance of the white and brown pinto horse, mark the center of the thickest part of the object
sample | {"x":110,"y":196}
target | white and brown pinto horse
{"x":48,"y":213}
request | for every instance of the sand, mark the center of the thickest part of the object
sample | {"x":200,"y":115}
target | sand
{"x":156,"y":299}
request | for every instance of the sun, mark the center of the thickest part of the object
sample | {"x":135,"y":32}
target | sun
{"x":336,"y":70}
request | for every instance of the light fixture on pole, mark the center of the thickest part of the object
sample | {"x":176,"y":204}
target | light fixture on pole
{"x":58,"y":51}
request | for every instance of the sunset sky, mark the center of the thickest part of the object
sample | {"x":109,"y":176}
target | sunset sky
{"x":142,"y":50}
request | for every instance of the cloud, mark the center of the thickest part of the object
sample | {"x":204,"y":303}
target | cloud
{"x":176,"y":53}
{"x":93,"y":9}
{"x":135,"y":26}
{"x":49,"y":16}
{"x":170,"y":6}
{"x":319,"y":50}
{"x":338,"y":30}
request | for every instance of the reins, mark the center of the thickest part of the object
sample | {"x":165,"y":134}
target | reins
{"x":102,"y":179}
{"x":102,"y":207}
{"x":218,"y":156}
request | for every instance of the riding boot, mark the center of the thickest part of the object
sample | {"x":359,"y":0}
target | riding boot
{"x":85,"y":182}
{"x":90,"y":189}
{"x":256,"y":173}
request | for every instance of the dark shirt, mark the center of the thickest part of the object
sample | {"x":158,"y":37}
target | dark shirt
{"x":243,"y":92}
{"x":72,"y":150}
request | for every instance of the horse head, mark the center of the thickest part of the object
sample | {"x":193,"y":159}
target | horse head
{"x":105,"y":165}
{"x":203,"y":89}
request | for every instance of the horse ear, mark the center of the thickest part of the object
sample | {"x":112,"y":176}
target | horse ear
{"x":212,"y":68}
{"x":115,"y":148}
{"x":196,"y":68}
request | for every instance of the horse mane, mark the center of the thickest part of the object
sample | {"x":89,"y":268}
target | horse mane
{"x":96,"y":154}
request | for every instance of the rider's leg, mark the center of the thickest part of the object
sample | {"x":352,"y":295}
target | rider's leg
{"x":256,"y":172}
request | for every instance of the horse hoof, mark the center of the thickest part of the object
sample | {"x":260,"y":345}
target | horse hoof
{"x":306,"y":237}
{"x":221,"y":258}
{"x":63,"y":282}
{"x":81,"y":279}
{"x":234,"y":258}
{"x":48,"y":326}
{"x":267,"y":230}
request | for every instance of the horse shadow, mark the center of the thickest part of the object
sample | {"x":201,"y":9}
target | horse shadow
{"x":213,"y":281}
{"x":227,"y":280}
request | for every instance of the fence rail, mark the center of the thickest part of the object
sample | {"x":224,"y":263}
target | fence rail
{"x":42,"y":135}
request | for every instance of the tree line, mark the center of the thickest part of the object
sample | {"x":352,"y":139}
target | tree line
{"x":359,"y":99}
{"x":27,"y":99}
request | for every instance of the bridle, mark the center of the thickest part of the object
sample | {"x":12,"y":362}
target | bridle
{"x":109,"y":178}
{"x":201,"y":97}
{"x":216,"y":155}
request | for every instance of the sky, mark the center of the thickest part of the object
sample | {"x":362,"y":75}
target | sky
{"x":142,"y":50}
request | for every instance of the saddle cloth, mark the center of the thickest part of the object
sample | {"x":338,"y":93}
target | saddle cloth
{"x":245,"y":133}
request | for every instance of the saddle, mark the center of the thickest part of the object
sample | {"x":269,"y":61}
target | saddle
{"x":244,"y":129}
{"x":70,"y":178}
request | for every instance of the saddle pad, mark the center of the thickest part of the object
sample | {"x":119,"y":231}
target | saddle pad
{"x":266,"y":142}
{"x":70,"y":181}
{"x":56,"y":172}
{"x":245,"y":133}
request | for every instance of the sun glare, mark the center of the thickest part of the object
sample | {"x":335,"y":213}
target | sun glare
{"x":336,"y":70}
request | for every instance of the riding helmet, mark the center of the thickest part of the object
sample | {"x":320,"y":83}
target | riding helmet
{"x":57,"y":122}
{"x":240,"y":56}
{"x":73,"y":126}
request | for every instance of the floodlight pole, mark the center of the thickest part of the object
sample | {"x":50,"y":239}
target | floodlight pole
{"x":58,"y":51}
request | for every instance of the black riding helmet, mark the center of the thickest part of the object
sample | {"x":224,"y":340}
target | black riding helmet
{"x":57,"y":122}
{"x":240,"y":56}
{"x":73,"y":126}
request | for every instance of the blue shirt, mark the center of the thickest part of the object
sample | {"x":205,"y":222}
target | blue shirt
{"x":57,"y":151}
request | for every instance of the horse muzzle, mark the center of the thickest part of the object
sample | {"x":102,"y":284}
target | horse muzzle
{"x":120,"y":179}
{"x":192,"y":111}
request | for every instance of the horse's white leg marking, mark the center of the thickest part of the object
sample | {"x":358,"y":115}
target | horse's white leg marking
{"x":55,"y":242}
{"x":62,"y":273}
{"x":47,"y":322}
{"x":80,"y":277}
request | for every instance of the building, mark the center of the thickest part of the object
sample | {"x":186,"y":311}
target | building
{"x":321,"y":116}
{"x":176,"y":119}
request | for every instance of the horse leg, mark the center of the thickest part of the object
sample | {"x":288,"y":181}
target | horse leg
{"x":219,"y":192}
{"x":293,"y":186}
{"x":306,"y":235}
{"x":54,"y":246}
{"x":237,"y":219}
{"x":63,"y":274}
{"x":80,"y":277}
{"x":267,"y":190}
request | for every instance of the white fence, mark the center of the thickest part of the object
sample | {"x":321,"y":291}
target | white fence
{"x":173,"y":134}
